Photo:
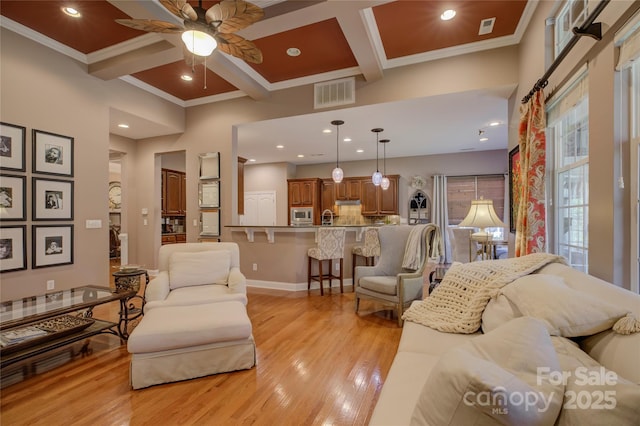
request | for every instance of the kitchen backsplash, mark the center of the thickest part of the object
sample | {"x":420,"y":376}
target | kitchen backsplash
{"x":350,"y":215}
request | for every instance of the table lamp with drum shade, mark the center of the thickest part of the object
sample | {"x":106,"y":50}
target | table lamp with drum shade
{"x":482,"y":215}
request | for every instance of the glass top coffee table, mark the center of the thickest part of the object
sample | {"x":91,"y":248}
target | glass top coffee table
{"x":65,"y":317}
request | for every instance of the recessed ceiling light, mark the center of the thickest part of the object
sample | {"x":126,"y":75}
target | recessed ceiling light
{"x":326,"y":131}
{"x":293,"y":51}
{"x":359,"y":151}
{"x":494,"y":123}
{"x":252,"y":160}
{"x":448,"y":14}
{"x":347,"y":139}
{"x":71,"y":12}
{"x":123,"y":126}
{"x":300,"y":155}
{"x":280,"y":146}
{"x":484,"y":139}
{"x":186,"y":77}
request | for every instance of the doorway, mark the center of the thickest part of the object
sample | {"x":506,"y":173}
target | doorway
{"x":115,"y":209}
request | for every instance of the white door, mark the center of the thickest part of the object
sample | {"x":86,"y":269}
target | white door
{"x":259,"y":208}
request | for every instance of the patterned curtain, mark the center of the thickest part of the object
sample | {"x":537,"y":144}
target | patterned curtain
{"x":530,"y":222}
{"x":440,"y":216}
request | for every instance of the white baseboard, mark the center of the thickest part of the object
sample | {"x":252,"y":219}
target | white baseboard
{"x":276,"y":285}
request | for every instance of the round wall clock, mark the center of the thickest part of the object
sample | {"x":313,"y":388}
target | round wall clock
{"x":115,"y":195}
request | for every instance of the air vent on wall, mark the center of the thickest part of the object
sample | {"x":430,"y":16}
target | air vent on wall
{"x":486,"y":26}
{"x":334,"y":93}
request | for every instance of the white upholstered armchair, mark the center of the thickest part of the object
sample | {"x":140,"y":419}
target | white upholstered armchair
{"x":389,"y":282}
{"x":197,"y":273}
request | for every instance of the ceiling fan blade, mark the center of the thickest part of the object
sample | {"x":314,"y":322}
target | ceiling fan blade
{"x":233,"y":15}
{"x":180,"y":8}
{"x":151,"y":25}
{"x":239,"y":47}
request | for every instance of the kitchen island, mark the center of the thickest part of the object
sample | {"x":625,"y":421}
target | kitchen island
{"x":270,"y":231}
{"x":276,"y":256}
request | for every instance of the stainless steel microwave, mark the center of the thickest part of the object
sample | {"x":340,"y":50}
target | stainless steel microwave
{"x":301,"y":216}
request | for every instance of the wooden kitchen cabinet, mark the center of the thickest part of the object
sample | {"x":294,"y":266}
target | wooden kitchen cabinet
{"x":173,"y":193}
{"x":378,"y":202}
{"x":328,"y":197}
{"x":303,"y":192}
{"x":349,"y":189}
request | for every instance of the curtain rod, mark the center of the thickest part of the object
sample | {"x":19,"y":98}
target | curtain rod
{"x":587,"y":29}
{"x":480,"y":175}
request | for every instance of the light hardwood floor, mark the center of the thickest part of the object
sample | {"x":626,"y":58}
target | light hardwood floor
{"x":318,"y":363}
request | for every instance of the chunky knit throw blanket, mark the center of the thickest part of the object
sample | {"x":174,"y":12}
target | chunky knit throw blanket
{"x":457,"y":304}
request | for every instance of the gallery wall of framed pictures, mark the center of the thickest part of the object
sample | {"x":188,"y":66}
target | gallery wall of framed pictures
{"x":209,"y":195}
{"x":51,"y":196}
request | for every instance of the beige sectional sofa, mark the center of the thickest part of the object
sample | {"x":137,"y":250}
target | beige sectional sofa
{"x":434,"y":372}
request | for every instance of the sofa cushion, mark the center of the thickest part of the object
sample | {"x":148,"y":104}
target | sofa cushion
{"x":616,"y":352}
{"x":199,"y":268}
{"x":492,"y":379}
{"x":384,"y":285}
{"x":178,"y":327}
{"x":565,"y":312}
{"x":593,"y":393}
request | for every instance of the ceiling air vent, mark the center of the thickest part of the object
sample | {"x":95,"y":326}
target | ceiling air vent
{"x":486,"y":26}
{"x":334,"y":93}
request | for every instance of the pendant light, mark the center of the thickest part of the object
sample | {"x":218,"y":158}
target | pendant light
{"x":337,"y":174}
{"x":384,"y":182}
{"x":376,"y":178}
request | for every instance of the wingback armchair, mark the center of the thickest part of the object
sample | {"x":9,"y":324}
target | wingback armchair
{"x":390,"y":283}
{"x":197,"y":273}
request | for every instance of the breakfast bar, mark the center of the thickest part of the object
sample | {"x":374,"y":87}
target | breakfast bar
{"x":276,"y":256}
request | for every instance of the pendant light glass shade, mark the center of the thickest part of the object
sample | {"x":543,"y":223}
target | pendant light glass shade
{"x":376,"y":177}
{"x":337,"y":174}
{"x":384,"y":181}
{"x":199,"y":43}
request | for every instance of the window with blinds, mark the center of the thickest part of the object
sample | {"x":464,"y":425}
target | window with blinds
{"x":461,"y":190}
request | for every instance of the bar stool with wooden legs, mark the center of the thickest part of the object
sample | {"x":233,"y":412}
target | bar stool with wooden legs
{"x":370,"y":250}
{"x":330,"y":246}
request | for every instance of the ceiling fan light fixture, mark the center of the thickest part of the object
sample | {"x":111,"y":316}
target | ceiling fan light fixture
{"x":199,"y":43}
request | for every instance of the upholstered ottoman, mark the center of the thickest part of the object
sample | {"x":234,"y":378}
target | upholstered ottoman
{"x":184,"y":342}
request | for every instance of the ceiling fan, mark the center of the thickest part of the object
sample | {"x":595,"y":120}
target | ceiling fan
{"x":204,"y":30}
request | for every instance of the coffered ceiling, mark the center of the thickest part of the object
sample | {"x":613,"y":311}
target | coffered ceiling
{"x":336,"y":38}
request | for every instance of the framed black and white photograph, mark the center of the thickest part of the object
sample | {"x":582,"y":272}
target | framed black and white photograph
{"x":52,"y":199}
{"x":52,"y":245}
{"x":52,"y":154}
{"x":13,"y":197}
{"x":13,"y":248}
{"x":12,"y":147}
{"x":209,"y":194}
{"x":210,"y":223}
